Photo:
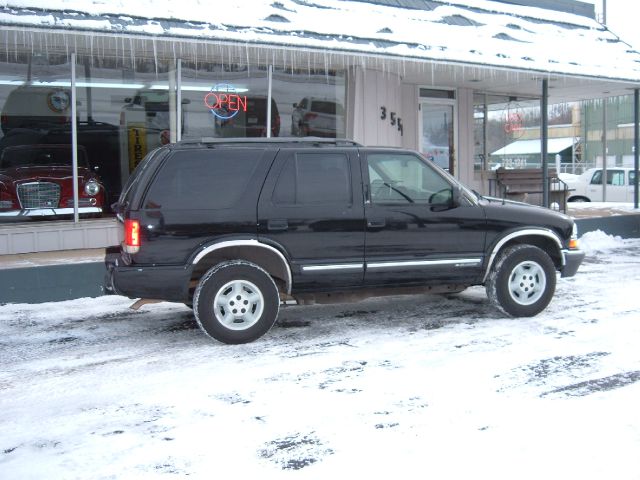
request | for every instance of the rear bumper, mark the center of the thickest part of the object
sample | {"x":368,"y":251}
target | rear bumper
{"x":571,"y":261}
{"x":160,"y":283}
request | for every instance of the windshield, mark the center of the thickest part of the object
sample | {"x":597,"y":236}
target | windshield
{"x":41,"y":156}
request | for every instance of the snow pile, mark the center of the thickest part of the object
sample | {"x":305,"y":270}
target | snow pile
{"x":598,"y":241}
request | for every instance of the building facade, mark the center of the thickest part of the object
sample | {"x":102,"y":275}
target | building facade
{"x":87,"y":89}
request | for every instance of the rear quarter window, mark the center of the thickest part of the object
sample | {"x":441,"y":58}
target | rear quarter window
{"x":207,"y":179}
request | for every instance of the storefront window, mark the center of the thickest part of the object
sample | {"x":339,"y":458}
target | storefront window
{"x":225,"y":100}
{"x":124,"y":112}
{"x":502,"y":125}
{"x":310,"y":102}
{"x":35,"y":139}
{"x":128,"y":106}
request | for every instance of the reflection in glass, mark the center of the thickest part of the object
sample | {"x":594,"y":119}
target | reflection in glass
{"x":226,"y":100}
{"x":310,"y":102}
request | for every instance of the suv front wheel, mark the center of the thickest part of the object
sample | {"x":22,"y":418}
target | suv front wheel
{"x":236,"y":302}
{"x":522,"y":282}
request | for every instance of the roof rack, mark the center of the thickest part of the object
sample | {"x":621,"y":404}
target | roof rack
{"x":273,"y":140}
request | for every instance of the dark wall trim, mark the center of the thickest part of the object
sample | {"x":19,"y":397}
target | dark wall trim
{"x":625,"y":226}
{"x":51,"y":283}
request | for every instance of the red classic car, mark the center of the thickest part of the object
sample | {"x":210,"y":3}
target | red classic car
{"x":37,"y":181}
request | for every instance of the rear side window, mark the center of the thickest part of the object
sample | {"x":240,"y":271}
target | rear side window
{"x":196,"y":180}
{"x":314,"y":178}
{"x":134,"y":179}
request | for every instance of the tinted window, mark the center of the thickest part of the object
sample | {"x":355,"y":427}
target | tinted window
{"x":41,"y":156}
{"x":134,"y":178}
{"x":192,"y":180}
{"x":402,"y":178}
{"x":309,"y":178}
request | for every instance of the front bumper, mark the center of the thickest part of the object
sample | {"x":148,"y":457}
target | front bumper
{"x":49,"y":212}
{"x":571,"y":260}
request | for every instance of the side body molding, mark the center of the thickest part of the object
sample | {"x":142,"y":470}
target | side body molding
{"x":541,"y":232}
{"x":247,"y":243}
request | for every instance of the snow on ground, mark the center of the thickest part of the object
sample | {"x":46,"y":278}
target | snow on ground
{"x":408,"y":387}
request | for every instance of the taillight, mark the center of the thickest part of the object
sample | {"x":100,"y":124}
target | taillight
{"x":131,"y":236}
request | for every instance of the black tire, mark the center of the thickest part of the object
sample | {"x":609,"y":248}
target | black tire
{"x":522,"y":281}
{"x":236,"y":302}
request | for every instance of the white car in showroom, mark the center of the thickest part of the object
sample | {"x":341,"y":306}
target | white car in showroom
{"x":588,"y":186}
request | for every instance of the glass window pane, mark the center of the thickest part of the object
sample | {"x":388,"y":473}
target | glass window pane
{"x":401,"y":178}
{"x":193,"y":180}
{"x":615,"y":177}
{"x":126,"y":108}
{"x":597,"y":178}
{"x":311,"y":102}
{"x":437,"y":134}
{"x":35,"y":138}
{"x":314,"y":178}
{"x":226,"y":100}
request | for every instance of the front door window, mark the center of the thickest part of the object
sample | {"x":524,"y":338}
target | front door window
{"x":403,"y":178}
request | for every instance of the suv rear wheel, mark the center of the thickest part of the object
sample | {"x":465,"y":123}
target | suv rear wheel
{"x":522,"y":282}
{"x":236,"y":302}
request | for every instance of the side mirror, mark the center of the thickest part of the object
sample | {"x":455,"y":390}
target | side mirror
{"x":445,"y":199}
{"x":295,"y":105}
{"x":456,"y":196}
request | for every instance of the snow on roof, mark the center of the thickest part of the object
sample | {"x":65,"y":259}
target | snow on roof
{"x":526,"y":147}
{"x":467,"y":32}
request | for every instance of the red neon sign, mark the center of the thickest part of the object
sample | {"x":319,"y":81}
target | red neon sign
{"x":513,"y":123}
{"x":225,"y":105}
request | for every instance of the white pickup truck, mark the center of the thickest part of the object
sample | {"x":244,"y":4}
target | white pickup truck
{"x":588,"y":186}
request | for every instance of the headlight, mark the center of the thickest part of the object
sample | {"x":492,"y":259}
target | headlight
{"x":92,"y":188}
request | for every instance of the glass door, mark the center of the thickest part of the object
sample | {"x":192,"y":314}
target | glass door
{"x":437,"y":139}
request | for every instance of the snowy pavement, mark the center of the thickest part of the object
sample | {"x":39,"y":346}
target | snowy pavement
{"x":403,"y":387}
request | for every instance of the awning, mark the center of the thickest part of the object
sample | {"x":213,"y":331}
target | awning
{"x":474,"y":44}
{"x":530,"y":147}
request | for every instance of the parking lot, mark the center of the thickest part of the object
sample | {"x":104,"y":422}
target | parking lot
{"x":412,"y":386}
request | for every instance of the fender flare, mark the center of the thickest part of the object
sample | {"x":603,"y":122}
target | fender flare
{"x":541,"y":232}
{"x":250,"y":242}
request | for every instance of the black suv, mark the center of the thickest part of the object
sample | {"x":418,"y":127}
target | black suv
{"x":235,"y":227}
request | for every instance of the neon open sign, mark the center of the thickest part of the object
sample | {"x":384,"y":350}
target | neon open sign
{"x":224,"y":102}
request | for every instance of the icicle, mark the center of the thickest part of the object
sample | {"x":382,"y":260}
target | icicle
{"x":155,"y":55}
